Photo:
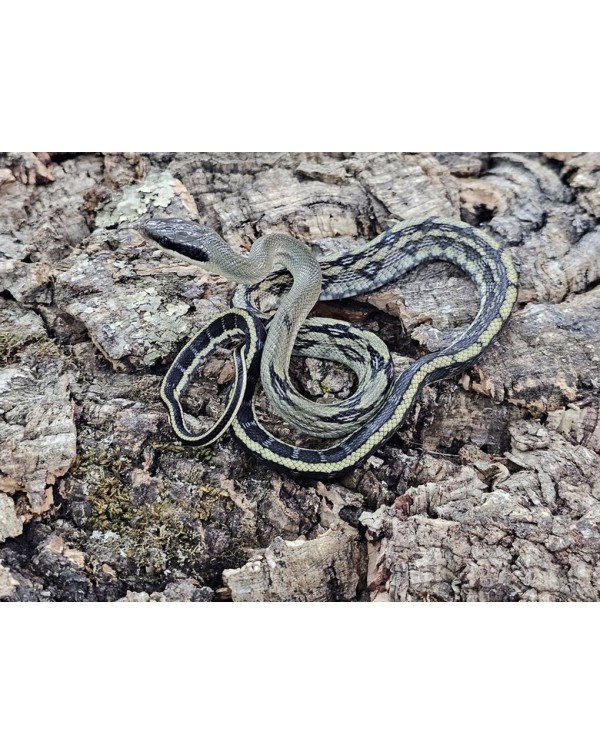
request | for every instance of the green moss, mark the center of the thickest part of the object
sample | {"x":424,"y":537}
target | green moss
{"x":33,"y":349}
{"x":91,"y":458}
{"x":11,"y":343}
{"x":202,"y":454}
{"x":237,"y":554}
{"x":111,"y":504}
{"x":161,"y":535}
{"x":154,"y":536}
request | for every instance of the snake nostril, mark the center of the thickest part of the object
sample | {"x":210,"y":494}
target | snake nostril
{"x":144,"y":227}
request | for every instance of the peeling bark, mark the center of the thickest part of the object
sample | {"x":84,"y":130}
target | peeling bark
{"x":490,"y":492}
{"x":532,"y":536}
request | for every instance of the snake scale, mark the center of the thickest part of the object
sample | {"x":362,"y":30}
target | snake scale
{"x":279,"y":266}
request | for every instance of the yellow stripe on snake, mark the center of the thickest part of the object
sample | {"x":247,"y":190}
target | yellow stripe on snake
{"x":283,"y":266}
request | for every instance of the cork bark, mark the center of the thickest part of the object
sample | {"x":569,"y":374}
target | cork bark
{"x":491,"y":491}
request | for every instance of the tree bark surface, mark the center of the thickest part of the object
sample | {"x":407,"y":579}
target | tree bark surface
{"x":491,"y":490}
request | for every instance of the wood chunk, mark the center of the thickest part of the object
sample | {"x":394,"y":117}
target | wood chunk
{"x":328,"y":568}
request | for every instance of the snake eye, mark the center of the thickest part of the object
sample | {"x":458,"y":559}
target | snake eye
{"x":182,"y":236}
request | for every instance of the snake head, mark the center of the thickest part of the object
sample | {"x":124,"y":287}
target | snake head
{"x":183,"y":237}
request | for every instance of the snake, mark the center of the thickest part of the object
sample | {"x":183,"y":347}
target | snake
{"x":282,"y":272}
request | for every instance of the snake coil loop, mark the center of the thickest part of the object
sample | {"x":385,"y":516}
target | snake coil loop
{"x":382,"y":401}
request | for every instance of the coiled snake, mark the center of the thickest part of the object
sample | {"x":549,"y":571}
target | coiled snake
{"x":381,"y":401}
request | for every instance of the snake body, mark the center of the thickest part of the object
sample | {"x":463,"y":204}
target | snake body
{"x":381,"y":401}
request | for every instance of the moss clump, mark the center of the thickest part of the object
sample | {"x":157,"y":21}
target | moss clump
{"x":178,"y":449}
{"x":161,"y":536}
{"x":12,"y":343}
{"x":92,"y":459}
{"x":163,"y":533}
{"x":111,"y":504}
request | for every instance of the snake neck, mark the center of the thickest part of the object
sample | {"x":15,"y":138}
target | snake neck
{"x":267,"y":253}
{"x":298,"y":259}
{"x":240,"y":268}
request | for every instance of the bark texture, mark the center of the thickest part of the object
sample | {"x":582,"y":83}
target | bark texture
{"x":490,"y":492}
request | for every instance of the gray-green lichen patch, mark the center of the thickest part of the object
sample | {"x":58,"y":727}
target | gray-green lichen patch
{"x":132,"y":327}
{"x":158,"y":190}
{"x":120,"y":291}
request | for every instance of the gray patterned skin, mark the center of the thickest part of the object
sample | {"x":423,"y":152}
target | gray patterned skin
{"x":362,"y":352}
{"x":372,"y":418}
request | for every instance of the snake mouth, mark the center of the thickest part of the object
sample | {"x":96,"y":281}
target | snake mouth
{"x":181,"y":236}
